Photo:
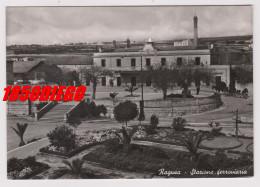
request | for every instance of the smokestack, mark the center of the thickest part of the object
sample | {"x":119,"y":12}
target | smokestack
{"x":195,"y":37}
{"x":114,"y":44}
{"x":127,"y":43}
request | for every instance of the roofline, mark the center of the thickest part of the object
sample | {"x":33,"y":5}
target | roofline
{"x":155,"y":53}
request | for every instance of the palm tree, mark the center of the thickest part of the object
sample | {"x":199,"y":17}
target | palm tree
{"x":192,"y":142}
{"x":20,"y":132}
{"x":75,"y":165}
{"x":126,"y":138}
{"x":113,"y":95}
{"x":131,"y":89}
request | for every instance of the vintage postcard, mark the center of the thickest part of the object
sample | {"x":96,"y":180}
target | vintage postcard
{"x":129,"y":92}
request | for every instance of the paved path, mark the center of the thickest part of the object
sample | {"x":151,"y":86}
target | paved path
{"x":28,"y":150}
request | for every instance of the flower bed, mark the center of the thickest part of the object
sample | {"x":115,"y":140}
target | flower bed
{"x":210,"y":142}
{"x":154,"y":160}
{"x":83,"y":141}
{"x":24,"y":168}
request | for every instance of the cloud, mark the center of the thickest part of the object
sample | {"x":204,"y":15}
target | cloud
{"x":50,"y":25}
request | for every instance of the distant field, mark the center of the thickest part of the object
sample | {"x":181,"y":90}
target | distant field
{"x":60,"y":59}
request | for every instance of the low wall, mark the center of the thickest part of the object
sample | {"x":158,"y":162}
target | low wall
{"x":19,"y":107}
{"x":172,"y":107}
{"x":22,"y":107}
{"x":44,"y":110}
{"x":72,"y":111}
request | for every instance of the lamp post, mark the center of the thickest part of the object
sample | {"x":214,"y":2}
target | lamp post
{"x":142,"y":80}
{"x":141,"y":115}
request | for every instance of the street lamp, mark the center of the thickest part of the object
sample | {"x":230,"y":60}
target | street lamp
{"x":141,"y":115}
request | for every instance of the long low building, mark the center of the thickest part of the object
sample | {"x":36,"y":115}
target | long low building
{"x":127,"y":62}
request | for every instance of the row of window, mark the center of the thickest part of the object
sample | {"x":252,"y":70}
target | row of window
{"x":148,"y":62}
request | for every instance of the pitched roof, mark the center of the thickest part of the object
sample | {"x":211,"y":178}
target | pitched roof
{"x":60,"y":59}
{"x":25,"y":66}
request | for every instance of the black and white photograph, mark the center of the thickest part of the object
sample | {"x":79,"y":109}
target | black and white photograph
{"x":129,"y":92}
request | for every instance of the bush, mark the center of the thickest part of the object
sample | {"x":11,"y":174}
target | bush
{"x":101,"y":110}
{"x":203,"y":163}
{"x":125,"y":112}
{"x":14,"y":164}
{"x":89,"y":109}
{"x":62,"y":136}
{"x":215,"y":128}
{"x":179,"y":124}
{"x":41,"y":105}
{"x":149,"y":129}
{"x":154,"y":121}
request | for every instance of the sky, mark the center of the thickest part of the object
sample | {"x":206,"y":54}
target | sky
{"x":60,"y":25}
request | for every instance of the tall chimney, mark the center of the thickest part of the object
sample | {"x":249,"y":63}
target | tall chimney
{"x":128,"y":43}
{"x":195,"y":37}
{"x":114,"y":44}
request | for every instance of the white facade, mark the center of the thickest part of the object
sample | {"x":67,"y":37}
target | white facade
{"x":182,"y":43}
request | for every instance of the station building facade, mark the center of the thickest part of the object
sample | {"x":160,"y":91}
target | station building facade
{"x":127,"y":63}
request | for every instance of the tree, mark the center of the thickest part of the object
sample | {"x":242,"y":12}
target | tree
{"x":162,"y":76}
{"x":202,"y":73}
{"x":70,"y":77}
{"x":187,"y":73}
{"x":53,"y":74}
{"x":94,"y":73}
{"x":244,"y":74}
{"x":125,"y":112}
{"x":113,"y":95}
{"x":75,"y":165}
{"x":131,"y":89}
{"x":126,"y":137}
{"x":21,"y":128}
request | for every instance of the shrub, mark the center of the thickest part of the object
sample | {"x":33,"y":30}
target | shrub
{"x":204,"y":163}
{"x":14,"y":164}
{"x":62,"y":136}
{"x":90,"y":109}
{"x":41,"y":105}
{"x":125,"y":112}
{"x":215,"y":128}
{"x":149,"y":129}
{"x":75,"y":165}
{"x":192,"y":142}
{"x":154,"y":121}
{"x":101,"y":110}
{"x":178,"y":124}
{"x":29,"y":161}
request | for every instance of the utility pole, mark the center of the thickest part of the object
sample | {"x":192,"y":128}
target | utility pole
{"x":236,"y":122}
